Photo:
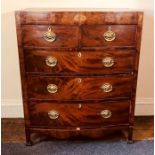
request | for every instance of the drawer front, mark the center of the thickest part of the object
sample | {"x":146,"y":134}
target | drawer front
{"x":77,"y":115}
{"x":98,"y":36}
{"x":54,"y":36}
{"x":76,"y":88}
{"x":94,"y":62}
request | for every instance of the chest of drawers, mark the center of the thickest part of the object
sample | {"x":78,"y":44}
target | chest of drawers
{"x":78,"y":71}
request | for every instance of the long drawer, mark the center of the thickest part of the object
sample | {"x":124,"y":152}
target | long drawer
{"x":84,"y":62}
{"x":79,"y":88}
{"x":54,"y":115}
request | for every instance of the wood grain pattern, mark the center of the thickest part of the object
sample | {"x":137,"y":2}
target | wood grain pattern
{"x":102,"y":133}
{"x":78,"y":18}
{"x":66,"y":36}
{"x":92,"y":36}
{"x":79,"y":78}
{"x":82,"y":62}
{"x":97,"y":18}
{"x":88,"y":116}
{"x":69,"y":88}
{"x":37,"y":18}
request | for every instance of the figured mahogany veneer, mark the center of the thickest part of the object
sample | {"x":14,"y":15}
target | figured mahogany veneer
{"x":65,"y":36}
{"x":78,"y":18}
{"x":79,"y":71}
{"x":70,"y":115}
{"x":92,"y":36}
{"x":80,"y":62}
{"x":77,"y":88}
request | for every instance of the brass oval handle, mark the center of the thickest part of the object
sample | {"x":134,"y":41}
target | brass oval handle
{"x":49,"y":36}
{"x":51,"y":61}
{"x":52,"y":88}
{"x":109,"y":35}
{"x":53,"y":114}
{"x":108,"y":61}
{"x":106,"y":113}
{"x":106,"y":87}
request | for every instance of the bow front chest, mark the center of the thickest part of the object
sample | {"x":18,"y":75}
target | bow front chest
{"x":78,"y":71}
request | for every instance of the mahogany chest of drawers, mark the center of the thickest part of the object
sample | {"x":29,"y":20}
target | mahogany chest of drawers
{"x":78,"y":71}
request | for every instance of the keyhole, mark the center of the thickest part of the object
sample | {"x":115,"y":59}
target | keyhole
{"x":79,"y":54}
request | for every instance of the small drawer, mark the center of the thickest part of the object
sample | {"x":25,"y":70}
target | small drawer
{"x":84,"y":62}
{"x":50,"y":36}
{"x":108,"y":35}
{"x":78,"y":115}
{"x":79,"y":88}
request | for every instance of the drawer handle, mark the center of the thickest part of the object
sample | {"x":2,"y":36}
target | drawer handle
{"x":51,"y":61}
{"x":106,"y":113}
{"x":52,"y":88}
{"x":108,"y":61}
{"x":49,"y":36}
{"x":109,"y":35}
{"x":53,"y":114}
{"x":106,"y":87}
